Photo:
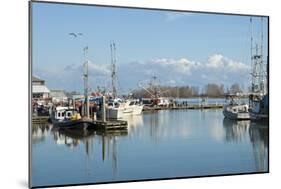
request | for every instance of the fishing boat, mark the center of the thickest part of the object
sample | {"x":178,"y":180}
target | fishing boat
{"x":132,"y":107}
{"x":259,"y":99}
{"x":118,"y":108}
{"x":114,"y":110}
{"x":68,"y":117}
{"x":235,"y":109}
{"x":259,"y":107}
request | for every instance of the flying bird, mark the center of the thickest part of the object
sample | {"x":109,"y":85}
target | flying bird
{"x":75,"y":34}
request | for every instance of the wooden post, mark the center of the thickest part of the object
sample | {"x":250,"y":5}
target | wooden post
{"x":103,"y":147}
{"x":87,"y":107}
{"x":103,"y":109}
{"x":94,"y":116}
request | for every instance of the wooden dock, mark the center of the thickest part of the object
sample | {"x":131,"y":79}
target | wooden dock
{"x":113,"y":132}
{"x":40,"y":119}
{"x":92,"y":124}
{"x":182,"y":107}
{"x":110,"y":124}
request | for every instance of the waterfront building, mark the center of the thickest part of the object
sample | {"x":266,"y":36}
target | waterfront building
{"x":58,"y":95}
{"x":39,"y":89}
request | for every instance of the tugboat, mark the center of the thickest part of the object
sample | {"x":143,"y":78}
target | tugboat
{"x":68,"y":117}
{"x":234,"y":109}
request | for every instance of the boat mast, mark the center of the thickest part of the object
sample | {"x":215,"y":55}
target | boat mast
{"x":85,"y":76}
{"x":257,"y":63}
{"x":262,"y":62}
{"x":252,"y":66}
{"x":154,"y":87}
{"x":113,"y":69}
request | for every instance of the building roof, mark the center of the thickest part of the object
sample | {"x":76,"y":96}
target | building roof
{"x":37,"y":79}
{"x":40,"y":89}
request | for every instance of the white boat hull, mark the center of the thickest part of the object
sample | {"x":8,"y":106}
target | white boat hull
{"x":236,"y":116}
{"x":118,"y":113}
{"x":133,"y":110}
{"x":115,"y":113}
{"x":236,"y":112}
{"x":130,"y":107}
{"x":138,"y":110}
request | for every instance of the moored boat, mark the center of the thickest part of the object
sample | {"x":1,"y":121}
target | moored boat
{"x":133,"y":107}
{"x":119,"y":109}
{"x":259,"y":107}
{"x":68,"y":117}
{"x":234,"y":109}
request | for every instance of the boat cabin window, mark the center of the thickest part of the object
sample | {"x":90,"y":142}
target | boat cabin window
{"x":58,"y":114}
{"x":62,"y":114}
{"x":131,"y":103}
{"x":68,"y":114}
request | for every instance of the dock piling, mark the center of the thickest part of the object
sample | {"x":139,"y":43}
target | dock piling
{"x":103,"y":109}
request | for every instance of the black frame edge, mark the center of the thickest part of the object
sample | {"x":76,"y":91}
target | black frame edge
{"x":29,"y":92}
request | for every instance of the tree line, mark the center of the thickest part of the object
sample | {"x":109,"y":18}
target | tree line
{"x":209,"y":90}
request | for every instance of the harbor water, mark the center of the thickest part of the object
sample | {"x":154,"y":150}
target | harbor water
{"x":159,"y":144}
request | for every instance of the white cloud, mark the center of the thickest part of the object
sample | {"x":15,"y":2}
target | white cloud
{"x":183,"y":71}
{"x":186,"y":66}
{"x":172,"y":82}
{"x":181,"y":65}
{"x":170,"y":71}
{"x":98,"y":69}
{"x":203,"y":76}
{"x":172,"y":16}
{"x":218,"y":61}
{"x":215,"y":61}
{"x":93,"y":68}
{"x":70,"y":77}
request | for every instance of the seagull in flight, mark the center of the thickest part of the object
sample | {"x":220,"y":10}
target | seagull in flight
{"x":75,"y":34}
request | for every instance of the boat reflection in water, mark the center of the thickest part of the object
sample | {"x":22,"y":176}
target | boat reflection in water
{"x":39,"y":133}
{"x":134,"y":121}
{"x":166,"y":143}
{"x":72,"y":138}
{"x":239,"y":131}
{"x":236,"y":131}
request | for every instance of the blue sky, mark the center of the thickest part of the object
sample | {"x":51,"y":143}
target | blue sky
{"x":179,"y":48}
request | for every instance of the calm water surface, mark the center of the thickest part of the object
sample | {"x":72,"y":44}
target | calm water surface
{"x":168,"y":143}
